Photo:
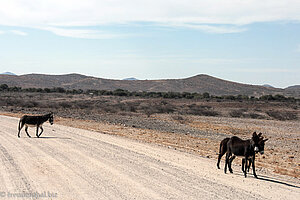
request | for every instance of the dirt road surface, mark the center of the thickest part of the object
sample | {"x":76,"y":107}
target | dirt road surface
{"x":69,"y":163}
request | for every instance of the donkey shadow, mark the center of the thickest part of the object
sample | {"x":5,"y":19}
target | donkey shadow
{"x":52,"y":137}
{"x":271,"y":179}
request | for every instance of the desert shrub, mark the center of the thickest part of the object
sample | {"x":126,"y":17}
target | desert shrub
{"x":47,"y":90}
{"x":180,"y":118}
{"x":39,"y":90}
{"x":166,"y":108}
{"x":230,"y":97}
{"x":74,"y":91}
{"x":255,"y":116}
{"x":187,"y":95}
{"x":280,"y":97}
{"x":194,"y":109}
{"x":242,"y":97}
{"x":132,"y":106}
{"x":3,"y":87}
{"x":10,"y":102}
{"x":121,"y":106}
{"x":172,"y":95}
{"x":110,"y":109}
{"x":236,"y":113}
{"x":177,"y":117}
{"x":206,"y":95}
{"x":104,"y":92}
{"x":205,"y":106}
{"x":150,"y":108}
{"x":81,"y":104}
{"x":267,"y":98}
{"x":282,"y":115}
{"x":29,"y":104}
{"x":15,"y":89}
{"x":154,"y":94}
{"x":65,"y":104}
{"x":120,"y":92}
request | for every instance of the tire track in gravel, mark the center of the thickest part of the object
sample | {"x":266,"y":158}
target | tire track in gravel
{"x":17,"y":177}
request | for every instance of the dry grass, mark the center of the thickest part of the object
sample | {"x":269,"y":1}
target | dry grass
{"x":66,"y":103}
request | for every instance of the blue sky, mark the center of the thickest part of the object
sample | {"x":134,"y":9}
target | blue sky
{"x":245,"y":41}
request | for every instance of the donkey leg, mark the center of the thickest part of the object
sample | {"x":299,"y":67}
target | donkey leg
{"x":226,"y":162}
{"x":230,"y":162}
{"x":26,"y":130}
{"x":20,"y":128}
{"x":42,"y":131}
{"x":243,"y":164}
{"x":250,"y":162}
{"x":222,"y":151}
{"x":219,"y":159}
{"x":253,"y":167}
{"x":245,"y":170}
{"x":37,"y":131}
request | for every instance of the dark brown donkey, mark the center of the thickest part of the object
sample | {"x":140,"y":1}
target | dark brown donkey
{"x":223,"y":150}
{"x":35,"y":121}
{"x":244,"y":148}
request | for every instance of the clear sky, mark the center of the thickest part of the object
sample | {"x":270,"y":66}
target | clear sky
{"x":248,"y":41}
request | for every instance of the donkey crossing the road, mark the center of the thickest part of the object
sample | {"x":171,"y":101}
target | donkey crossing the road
{"x":34,"y":121}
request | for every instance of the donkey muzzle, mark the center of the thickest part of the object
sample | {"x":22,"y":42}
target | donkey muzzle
{"x":256,"y":149}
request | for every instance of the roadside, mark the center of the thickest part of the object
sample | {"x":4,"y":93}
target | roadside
{"x":202,"y":135}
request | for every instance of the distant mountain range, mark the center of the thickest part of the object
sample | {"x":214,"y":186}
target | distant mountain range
{"x":200,"y":84}
{"x":130,"y":79}
{"x":8,"y":73}
{"x":293,"y":91}
{"x":268,"y":86}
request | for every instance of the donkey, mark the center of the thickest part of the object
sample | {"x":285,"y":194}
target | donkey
{"x":245,"y":148}
{"x":223,"y":150}
{"x":261,"y":147}
{"x":34,"y":121}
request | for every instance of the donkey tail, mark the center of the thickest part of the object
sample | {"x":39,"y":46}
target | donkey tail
{"x":21,"y":123}
{"x":19,"y":127}
{"x":223,"y":146}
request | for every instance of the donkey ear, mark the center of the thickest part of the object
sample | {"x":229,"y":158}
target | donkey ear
{"x":265,"y":140}
{"x":254,"y":134}
{"x":259,"y":134}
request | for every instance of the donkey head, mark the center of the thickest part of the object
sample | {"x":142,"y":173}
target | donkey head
{"x":51,"y":118}
{"x":261,"y":145}
{"x":258,"y":142}
{"x":255,"y":141}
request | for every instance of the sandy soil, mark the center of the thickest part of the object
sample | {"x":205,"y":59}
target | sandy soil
{"x":71,"y":163}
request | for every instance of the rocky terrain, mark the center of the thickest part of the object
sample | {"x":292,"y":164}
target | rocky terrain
{"x":196,"y":126}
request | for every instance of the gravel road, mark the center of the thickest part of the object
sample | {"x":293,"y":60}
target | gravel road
{"x":69,"y":163}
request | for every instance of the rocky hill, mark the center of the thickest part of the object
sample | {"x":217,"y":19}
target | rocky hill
{"x":200,"y":84}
